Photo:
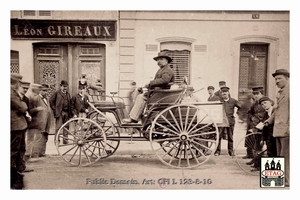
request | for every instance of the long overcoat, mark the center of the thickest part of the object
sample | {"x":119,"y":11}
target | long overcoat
{"x":41,"y":120}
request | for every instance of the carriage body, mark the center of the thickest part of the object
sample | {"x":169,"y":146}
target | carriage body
{"x":182,"y":135}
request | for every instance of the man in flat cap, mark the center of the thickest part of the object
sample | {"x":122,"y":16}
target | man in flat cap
{"x":163,"y":77}
{"x":18,"y":127}
{"x":281,"y":119}
{"x":219,"y":92}
{"x":267,"y":131}
{"x":212,"y":96}
{"x":254,"y":117}
{"x":229,"y":107}
{"x":41,"y":120}
{"x":60,"y":103}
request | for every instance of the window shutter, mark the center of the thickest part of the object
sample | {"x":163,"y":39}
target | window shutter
{"x":180,"y":64}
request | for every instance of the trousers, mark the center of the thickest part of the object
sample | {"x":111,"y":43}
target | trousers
{"x":283,"y":149}
{"x":229,"y":131}
{"x":59,"y":121}
{"x":138,"y":107}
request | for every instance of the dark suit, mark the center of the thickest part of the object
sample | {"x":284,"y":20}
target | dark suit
{"x":213,"y":98}
{"x":61,"y":114}
{"x":39,"y":127}
{"x":18,"y":126}
{"x":163,"y":77}
{"x":79,"y":105}
{"x":56,"y":103}
{"x":229,"y":110}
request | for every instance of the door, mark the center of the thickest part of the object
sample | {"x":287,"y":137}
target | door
{"x":253,"y":72}
{"x":253,"y":69}
{"x":50,"y":65}
{"x":50,"y":68}
{"x":91,"y":62}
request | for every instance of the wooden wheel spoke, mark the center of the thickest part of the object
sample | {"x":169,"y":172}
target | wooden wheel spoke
{"x":87,"y":157}
{"x":186,"y":118}
{"x":202,"y":145}
{"x":186,"y":154}
{"x":160,"y":125}
{"x":204,"y":140}
{"x":193,"y":153}
{"x":74,"y":154}
{"x":190,"y":130}
{"x":165,"y":139}
{"x":192,"y":121}
{"x":69,"y":150}
{"x":169,"y":123}
{"x":203,"y":133}
{"x":180,"y":118}
{"x":174,"y":119}
{"x":199,"y":129}
{"x":199,"y":150}
{"x":65,"y":129}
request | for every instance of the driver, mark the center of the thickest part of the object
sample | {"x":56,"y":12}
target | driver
{"x":163,"y":77}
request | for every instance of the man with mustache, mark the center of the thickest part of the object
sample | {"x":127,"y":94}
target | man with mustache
{"x":60,"y":103}
{"x":163,"y":77}
{"x":281,"y":119}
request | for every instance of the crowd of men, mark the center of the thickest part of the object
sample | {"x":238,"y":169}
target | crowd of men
{"x":265,"y":116}
{"x":31,"y":120}
{"x":32,"y":116}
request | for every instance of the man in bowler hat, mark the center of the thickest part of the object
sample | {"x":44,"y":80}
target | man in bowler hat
{"x":281,"y":119}
{"x":60,"y":103}
{"x":163,"y":77}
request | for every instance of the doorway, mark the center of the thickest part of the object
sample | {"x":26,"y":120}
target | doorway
{"x":54,"y":62}
{"x":253,"y":68}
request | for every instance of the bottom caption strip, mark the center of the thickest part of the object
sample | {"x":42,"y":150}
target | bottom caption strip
{"x":160,"y":181}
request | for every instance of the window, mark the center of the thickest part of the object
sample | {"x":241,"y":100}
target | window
{"x":14,"y":62}
{"x":180,"y":64}
{"x":179,"y":51}
{"x":37,"y":14}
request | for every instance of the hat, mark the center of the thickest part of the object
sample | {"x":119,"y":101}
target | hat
{"x":222,"y":83}
{"x":257,"y":89}
{"x":14,"y":78}
{"x":281,"y":72}
{"x":44,"y":86}
{"x":64,"y":83}
{"x":163,"y":55}
{"x":190,"y":88}
{"x":210,"y":87}
{"x":264,"y":98}
{"x":25,"y":84}
{"x":224,"y":89}
{"x":98,"y":83}
{"x":35,"y":86}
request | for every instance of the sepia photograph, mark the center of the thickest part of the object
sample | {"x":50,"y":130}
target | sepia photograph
{"x":148,"y":99}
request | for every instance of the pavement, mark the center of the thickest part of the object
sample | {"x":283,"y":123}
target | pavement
{"x":135,"y":166}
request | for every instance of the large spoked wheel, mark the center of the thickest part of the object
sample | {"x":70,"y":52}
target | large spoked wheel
{"x":112,"y":133}
{"x":184,"y":136}
{"x":252,"y":143}
{"x":77,"y":141}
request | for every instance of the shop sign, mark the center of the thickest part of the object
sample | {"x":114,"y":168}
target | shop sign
{"x":86,"y":30}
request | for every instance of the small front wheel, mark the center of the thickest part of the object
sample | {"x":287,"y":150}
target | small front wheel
{"x":78,"y":141}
